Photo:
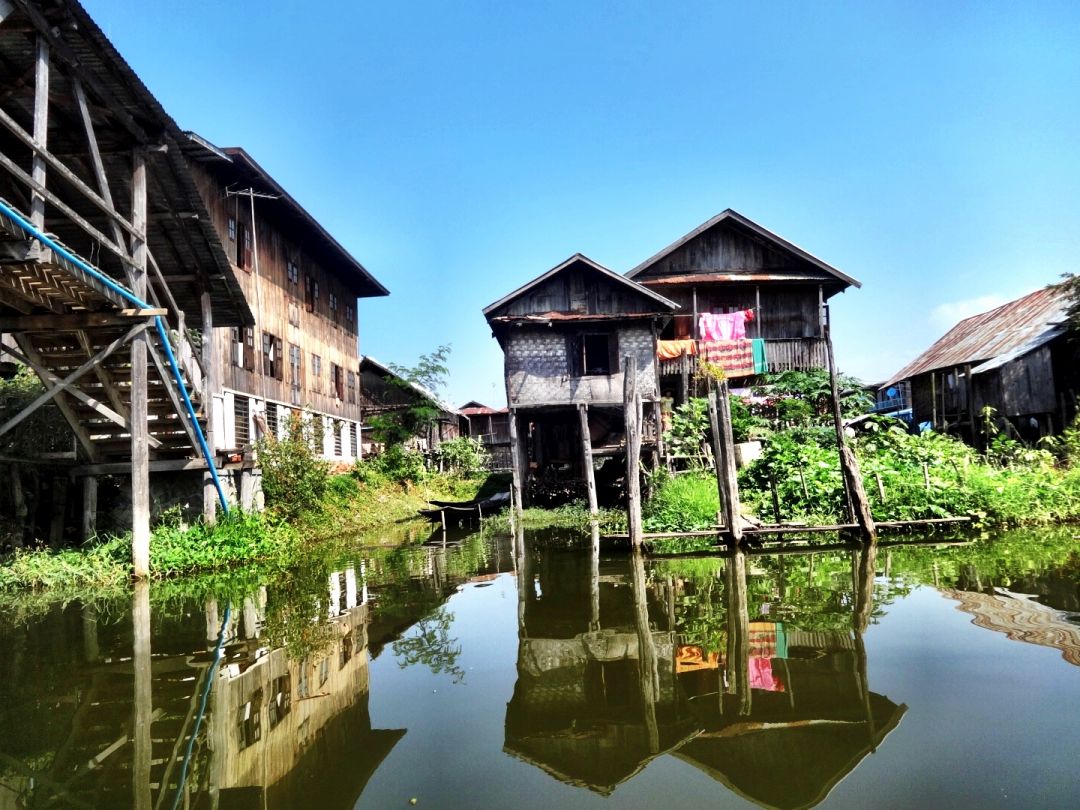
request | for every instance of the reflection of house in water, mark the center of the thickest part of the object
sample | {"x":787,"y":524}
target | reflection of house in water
{"x":780,"y":715}
{"x":580,"y":709}
{"x":289,"y":733}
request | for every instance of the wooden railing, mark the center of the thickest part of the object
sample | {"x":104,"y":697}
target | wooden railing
{"x":796,"y":354}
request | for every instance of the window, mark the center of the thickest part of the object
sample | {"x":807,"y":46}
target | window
{"x":241,"y":420}
{"x":332,"y":298}
{"x":316,"y":373}
{"x":337,"y":437}
{"x":243,"y":246}
{"x":251,"y":720}
{"x":272,"y":419}
{"x":318,"y":432}
{"x":232,"y":228}
{"x":597,"y":354}
{"x":350,"y":317}
{"x":346,"y":649}
{"x":272,"y":363}
{"x":243,"y":347}
{"x":311,"y":293}
{"x":294,"y":313}
{"x":324,"y":670}
{"x":354,"y":431}
{"x":237,"y":352}
{"x":292,"y":272}
{"x":280,"y":699}
{"x":350,"y":386}
{"x":294,"y":374}
{"x":337,"y":378}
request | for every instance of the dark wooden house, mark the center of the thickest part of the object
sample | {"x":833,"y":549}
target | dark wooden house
{"x":1017,"y":359}
{"x":731,"y":264}
{"x":384,"y":392}
{"x":301,"y":355}
{"x":565,"y":335}
{"x":491,"y":427}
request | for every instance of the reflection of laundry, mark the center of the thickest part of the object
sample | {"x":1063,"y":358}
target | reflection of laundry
{"x":767,"y":639}
{"x":690,"y":658}
{"x":736,"y":357}
{"x":673,"y":349}
{"x":762,"y":675}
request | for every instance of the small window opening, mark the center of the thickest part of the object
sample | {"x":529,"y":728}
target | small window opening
{"x":597,"y":354}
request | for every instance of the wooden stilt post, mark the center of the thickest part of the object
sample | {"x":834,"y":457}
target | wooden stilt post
{"x":211,"y":386}
{"x":586,"y":458}
{"x":59,"y":491}
{"x":723,"y":448}
{"x":849,"y":465}
{"x":684,"y":368}
{"x":140,"y":433}
{"x":41,"y":129}
{"x":714,"y":443}
{"x":517,"y":461}
{"x":631,"y":409}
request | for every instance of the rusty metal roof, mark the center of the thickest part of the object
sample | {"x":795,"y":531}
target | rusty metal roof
{"x":1012,"y":326}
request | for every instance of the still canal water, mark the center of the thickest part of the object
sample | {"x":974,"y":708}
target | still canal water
{"x":502,"y":673}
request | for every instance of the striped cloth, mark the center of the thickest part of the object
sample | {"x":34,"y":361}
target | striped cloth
{"x":736,"y":357}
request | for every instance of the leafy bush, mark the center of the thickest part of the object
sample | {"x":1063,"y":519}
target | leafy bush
{"x":396,"y":464}
{"x":294,"y":477}
{"x":343,"y":486}
{"x":463,"y":455}
{"x":681,"y":503}
{"x":235,"y":538}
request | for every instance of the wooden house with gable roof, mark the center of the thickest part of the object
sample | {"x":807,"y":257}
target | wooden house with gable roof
{"x":564,"y":336}
{"x":730,"y":264}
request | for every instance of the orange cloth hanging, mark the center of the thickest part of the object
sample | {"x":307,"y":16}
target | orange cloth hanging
{"x":673,"y":349}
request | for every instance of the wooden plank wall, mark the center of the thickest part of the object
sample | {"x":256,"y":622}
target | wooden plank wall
{"x":581,"y":292}
{"x":787,"y":311}
{"x":280,"y":309}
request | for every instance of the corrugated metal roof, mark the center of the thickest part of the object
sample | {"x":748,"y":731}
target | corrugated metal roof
{"x":1010,"y":327}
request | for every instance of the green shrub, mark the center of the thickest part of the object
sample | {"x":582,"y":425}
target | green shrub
{"x":395,"y":464}
{"x":682,"y":503}
{"x":463,"y":455}
{"x":294,"y":477}
{"x":343,"y":486}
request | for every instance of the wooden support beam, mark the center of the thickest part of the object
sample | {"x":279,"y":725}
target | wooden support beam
{"x":849,"y":465}
{"x":632,"y":410}
{"x":211,"y":386}
{"x":587,"y":459}
{"x":140,"y":433}
{"x":38,"y":140}
{"x":81,"y":436}
{"x":89,"y":511}
{"x":517,"y":461}
{"x":732,"y":504}
{"x":54,"y":385}
{"x":75,"y":321}
{"x":118,"y":416}
{"x":156,"y":465}
{"x":95,"y":159}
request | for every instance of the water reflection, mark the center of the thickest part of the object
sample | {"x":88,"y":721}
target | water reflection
{"x":685,"y":662}
{"x":750,"y":668}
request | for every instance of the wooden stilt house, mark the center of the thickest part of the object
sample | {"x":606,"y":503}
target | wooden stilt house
{"x":565,"y":335}
{"x":731,"y":265}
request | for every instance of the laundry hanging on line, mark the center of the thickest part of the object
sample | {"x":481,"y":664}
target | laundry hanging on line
{"x":674,"y":349}
{"x":724,"y":326}
{"x":736,"y":357}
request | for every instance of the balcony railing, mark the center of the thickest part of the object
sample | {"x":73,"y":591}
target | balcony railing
{"x":796,"y":354}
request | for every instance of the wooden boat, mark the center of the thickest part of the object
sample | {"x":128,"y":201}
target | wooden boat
{"x":456,"y":511}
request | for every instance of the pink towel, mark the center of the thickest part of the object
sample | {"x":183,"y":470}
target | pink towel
{"x":724,"y":326}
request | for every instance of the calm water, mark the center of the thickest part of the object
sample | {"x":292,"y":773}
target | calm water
{"x":494,"y":673}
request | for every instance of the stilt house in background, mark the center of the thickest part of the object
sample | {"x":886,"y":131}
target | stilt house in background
{"x":731,"y":264}
{"x":169,"y":295}
{"x":491,"y":427}
{"x":384,"y":392}
{"x":302,"y":355}
{"x":564,"y":336}
{"x":1016,"y":359}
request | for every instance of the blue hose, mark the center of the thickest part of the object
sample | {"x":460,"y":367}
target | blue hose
{"x":56,"y":247}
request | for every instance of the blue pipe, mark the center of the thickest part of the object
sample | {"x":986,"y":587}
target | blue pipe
{"x":211,"y":675}
{"x":129,"y":296}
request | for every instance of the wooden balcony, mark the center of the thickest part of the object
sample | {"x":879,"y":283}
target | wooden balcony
{"x":797,"y":354}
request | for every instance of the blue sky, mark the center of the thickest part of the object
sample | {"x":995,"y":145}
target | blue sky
{"x":460,"y":149}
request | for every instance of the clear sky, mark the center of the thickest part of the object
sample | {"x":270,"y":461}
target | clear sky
{"x":931,"y":150}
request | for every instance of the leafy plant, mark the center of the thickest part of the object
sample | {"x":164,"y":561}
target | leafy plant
{"x":463,"y":455}
{"x":294,"y":477}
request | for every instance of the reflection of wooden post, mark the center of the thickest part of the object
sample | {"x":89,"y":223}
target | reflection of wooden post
{"x":849,"y":465}
{"x":864,"y":606}
{"x":524,"y":577}
{"x":140,"y":771}
{"x":648,"y":667}
{"x":738,"y":663}
{"x":594,"y":578}
{"x":91,"y":650}
{"x":632,"y":410}
{"x":586,"y":458}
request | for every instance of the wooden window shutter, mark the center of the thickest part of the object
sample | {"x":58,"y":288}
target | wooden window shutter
{"x":249,"y":349}
{"x":575,"y":361}
{"x":279,"y":360}
{"x":614,"y":360}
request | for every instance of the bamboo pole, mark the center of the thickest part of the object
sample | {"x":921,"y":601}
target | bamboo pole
{"x":587,"y":458}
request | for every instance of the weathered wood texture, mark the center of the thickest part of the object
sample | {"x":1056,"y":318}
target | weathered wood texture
{"x":632,"y":410}
{"x":587,"y":459}
{"x":578,"y":291}
{"x":540,"y":367}
{"x":297,"y":310}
